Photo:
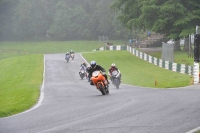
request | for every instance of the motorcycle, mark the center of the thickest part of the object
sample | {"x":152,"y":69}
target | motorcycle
{"x":67,"y":58}
{"x":82,"y":73}
{"x":72,"y":56}
{"x":116,"y":79}
{"x":100,"y":82}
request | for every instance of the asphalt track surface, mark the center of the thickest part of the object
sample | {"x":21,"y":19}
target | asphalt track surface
{"x":71,"y":105}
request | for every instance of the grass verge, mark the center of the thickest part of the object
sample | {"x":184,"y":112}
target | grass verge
{"x":136,"y":71}
{"x":20,"y":80}
{"x":51,"y":46}
{"x":180,"y":57}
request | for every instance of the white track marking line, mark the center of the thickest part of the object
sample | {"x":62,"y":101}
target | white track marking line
{"x":194,"y":130}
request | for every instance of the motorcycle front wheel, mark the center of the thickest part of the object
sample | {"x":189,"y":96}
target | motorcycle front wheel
{"x":101,"y":87}
{"x":116,"y":83}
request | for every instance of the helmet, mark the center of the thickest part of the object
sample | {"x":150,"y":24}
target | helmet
{"x":88,"y":66}
{"x":83,"y":63}
{"x":113,"y":65}
{"x":71,"y":50}
{"x":67,"y":53}
{"x":93,"y":64}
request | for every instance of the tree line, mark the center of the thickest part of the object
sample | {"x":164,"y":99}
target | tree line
{"x":59,"y":20}
{"x":88,"y":19}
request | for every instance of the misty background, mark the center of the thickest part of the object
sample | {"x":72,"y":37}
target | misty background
{"x":25,"y":20}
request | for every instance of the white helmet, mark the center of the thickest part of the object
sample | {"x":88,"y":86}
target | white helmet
{"x":113,"y":65}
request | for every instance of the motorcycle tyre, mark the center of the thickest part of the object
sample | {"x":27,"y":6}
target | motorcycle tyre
{"x":107,"y":90}
{"x":82,"y":76}
{"x":103,"y":91}
{"x":116,"y":83}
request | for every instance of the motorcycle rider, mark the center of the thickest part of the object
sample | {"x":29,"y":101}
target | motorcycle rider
{"x":111,"y":69}
{"x":95,"y":67}
{"x":84,"y":64}
{"x":66,"y":54}
{"x":88,"y":70}
{"x":71,"y":52}
{"x":83,"y":67}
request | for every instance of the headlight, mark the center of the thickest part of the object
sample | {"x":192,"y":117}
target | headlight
{"x":95,"y":73}
{"x":114,"y":73}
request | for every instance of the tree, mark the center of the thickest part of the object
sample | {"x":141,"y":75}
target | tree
{"x":174,"y":18}
{"x":32,"y":19}
{"x":68,"y":21}
{"x":6,"y":13}
{"x":61,"y":19}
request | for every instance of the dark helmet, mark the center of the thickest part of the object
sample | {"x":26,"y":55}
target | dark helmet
{"x":93,"y":64}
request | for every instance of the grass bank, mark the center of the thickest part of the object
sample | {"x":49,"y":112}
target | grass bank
{"x":20,"y":80}
{"x":136,"y":71}
{"x":180,"y":57}
{"x":51,"y":46}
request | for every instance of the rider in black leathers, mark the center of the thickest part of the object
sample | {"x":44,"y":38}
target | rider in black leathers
{"x":66,"y":54}
{"x":95,"y":67}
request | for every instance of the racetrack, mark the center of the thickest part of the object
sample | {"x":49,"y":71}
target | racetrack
{"x":71,"y":105}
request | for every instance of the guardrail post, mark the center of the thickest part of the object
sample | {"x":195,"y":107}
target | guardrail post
{"x":196,"y":72}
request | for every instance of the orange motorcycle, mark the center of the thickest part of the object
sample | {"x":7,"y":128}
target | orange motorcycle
{"x":100,"y":82}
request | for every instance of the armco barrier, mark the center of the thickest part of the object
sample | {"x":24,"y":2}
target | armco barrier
{"x":181,"y":68}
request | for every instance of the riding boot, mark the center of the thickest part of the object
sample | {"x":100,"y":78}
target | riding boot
{"x":91,"y":83}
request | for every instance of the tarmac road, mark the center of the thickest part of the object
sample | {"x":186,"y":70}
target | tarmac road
{"x":71,"y":105}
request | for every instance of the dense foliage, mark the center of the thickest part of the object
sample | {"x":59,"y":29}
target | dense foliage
{"x":58,"y":20}
{"x":88,"y":19}
{"x":174,"y":18}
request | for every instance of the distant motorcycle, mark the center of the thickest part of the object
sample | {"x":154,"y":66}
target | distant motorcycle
{"x":72,"y":56}
{"x":99,"y":81}
{"x":115,"y":78}
{"x":67,"y":57}
{"x":82,"y":73}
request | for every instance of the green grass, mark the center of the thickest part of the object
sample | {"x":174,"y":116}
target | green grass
{"x":48,"y":47}
{"x":180,"y":57}
{"x":136,"y":71}
{"x":21,"y":69}
{"x":51,"y":47}
{"x":20,"y":80}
